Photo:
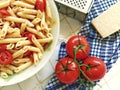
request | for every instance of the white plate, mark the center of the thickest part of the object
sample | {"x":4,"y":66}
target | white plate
{"x":34,"y":69}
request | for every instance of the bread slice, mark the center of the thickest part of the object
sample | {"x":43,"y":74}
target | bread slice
{"x":108,"y":22}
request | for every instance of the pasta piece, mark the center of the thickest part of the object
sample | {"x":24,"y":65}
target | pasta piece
{"x":15,"y":19}
{"x":19,"y":20}
{"x":6,"y":70}
{"x":37,"y":44}
{"x":49,"y":20}
{"x":4,"y":30}
{"x":48,"y":11}
{"x":4,"y":75}
{"x":40,"y":56}
{"x":21,"y":60}
{"x":43,"y":22}
{"x":11,"y":67}
{"x":36,"y":21}
{"x":36,"y":59}
{"x":27,"y":16}
{"x":29,"y":23}
{"x":11,"y":1}
{"x":39,"y":14}
{"x":23,"y":4}
{"x":4,"y":3}
{"x":32,"y":48}
{"x":19,"y":52}
{"x":11,"y":40}
{"x":22,"y":43}
{"x":45,"y":40}
{"x":15,"y":34}
{"x":15,"y":8}
{"x":38,"y":28}
{"x":31,"y":1}
{"x":23,"y":27}
{"x":10,"y":46}
{"x":23,"y":67}
{"x":28,"y":11}
{"x":35,"y":32}
{"x":11,"y":12}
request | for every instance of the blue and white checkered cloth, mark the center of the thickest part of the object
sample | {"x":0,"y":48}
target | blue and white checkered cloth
{"x":108,"y":49}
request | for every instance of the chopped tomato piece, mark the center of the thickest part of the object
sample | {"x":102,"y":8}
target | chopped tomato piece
{"x":5,"y":57}
{"x":3,"y":47}
{"x":4,"y":12}
{"x":29,"y":35}
{"x":40,"y":5}
{"x":29,"y":54}
{"x":31,"y":57}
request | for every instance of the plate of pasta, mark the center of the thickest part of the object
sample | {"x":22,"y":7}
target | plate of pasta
{"x":29,"y":31}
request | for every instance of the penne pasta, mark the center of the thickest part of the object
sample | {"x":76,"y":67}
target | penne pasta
{"x":35,"y":32}
{"x":10,"y":46}
{"x":11,"y":67}
{"x":4,"y":30}
{"x":32,"y":48}
{"x":30,"y":1}
{"x":11,"y":12}
{"x":23,"y":4}
{"x":27,"y":16}
{"x":11,"y":40}
{"x":19,"y":52}
{"x":36,"y":59}
{"x":6,"y":70}
{"x":15,"y":19}
{"x":4,"y":4}
{"x":26,"y":32}
{"x":45,"y":40}
{"x":23,"y":27}
{"x":4,"y":75}
{"x":37,"y":44}
{"x":23,"y":67}
{"x":36,"y":21}
{"x":28,"y":11}
{"x":21,"y":60}
{"x":22,"y":43}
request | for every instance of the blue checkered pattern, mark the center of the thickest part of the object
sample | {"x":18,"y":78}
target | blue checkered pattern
{"x":108,"y":49}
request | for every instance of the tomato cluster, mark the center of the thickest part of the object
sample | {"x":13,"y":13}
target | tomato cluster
{"x":68,"y":69}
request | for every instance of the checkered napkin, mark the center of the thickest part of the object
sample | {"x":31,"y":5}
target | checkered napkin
{"x":108,"y":49}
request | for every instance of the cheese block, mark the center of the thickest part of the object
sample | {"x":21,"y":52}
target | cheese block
{"x":108,"y":22}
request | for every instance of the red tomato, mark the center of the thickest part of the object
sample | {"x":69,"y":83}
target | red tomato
{"x":78,"y":42}
{"x":3,"y":47}
{"x":66,"y":70}
{"x":31,"y":57}
{"x":29,"y":54}
{"x":29,"y":35}
{"x":4,"y":12}
{"x":96,"y":68}
{"x":5,"y":57}
{"x":40,"y":5}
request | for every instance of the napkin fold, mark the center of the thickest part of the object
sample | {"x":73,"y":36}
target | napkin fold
{"x":108,"y":49}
